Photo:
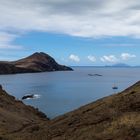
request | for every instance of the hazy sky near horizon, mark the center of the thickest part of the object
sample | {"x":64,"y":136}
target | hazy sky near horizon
{"x":74,"y":32}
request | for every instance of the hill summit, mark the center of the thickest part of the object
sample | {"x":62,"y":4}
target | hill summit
{"x":37,"y":62}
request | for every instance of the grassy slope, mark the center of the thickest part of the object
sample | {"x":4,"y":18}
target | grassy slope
{"x":116,"y":117}
{"x":16,"y":118}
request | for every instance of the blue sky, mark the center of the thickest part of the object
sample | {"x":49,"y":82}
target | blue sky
{"x":106,"y":32}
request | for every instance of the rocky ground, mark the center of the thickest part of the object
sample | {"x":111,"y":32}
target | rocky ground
{"x":116,"y":117}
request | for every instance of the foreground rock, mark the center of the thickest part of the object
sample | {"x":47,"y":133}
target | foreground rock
{"x":37,"y":62}
{"x":18,"y":120}
{"x":116,"y":117}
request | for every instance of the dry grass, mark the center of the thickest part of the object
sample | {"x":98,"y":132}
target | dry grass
{"x":116,"y":117}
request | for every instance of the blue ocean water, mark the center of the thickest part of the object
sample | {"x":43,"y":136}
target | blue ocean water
{"x":63,"y":91}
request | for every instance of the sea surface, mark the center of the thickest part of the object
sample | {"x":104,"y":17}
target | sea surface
{"x":59,"y":92}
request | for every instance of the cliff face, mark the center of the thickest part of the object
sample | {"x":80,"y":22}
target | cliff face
{"x":37,"y":62}
{"x":115,"y":117}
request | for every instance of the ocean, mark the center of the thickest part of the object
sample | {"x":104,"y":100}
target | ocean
{"x":59,"y":92}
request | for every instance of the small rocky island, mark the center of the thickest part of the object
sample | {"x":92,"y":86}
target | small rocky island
{"x":37,"y":62}
{"x":116,"y":117}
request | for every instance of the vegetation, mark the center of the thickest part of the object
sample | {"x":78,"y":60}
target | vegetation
{"x":116,"y":117}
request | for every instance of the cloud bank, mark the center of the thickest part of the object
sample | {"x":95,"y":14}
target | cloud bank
{"x":126,"y":56}
{"x":90,"y":18}
{"x":114,"y":59}
{"x":110,"y":58}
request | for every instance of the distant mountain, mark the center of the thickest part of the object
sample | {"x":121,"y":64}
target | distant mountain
{"x":119,"y":65}
{"x":137,"y":66}
{"x":37,"y":62}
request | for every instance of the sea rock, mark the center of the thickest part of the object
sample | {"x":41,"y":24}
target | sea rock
{"x":0,"y":87}
{"x":94,"y":74}
{"x":28,"y":96}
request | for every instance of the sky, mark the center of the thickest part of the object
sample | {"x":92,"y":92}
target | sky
{"x":74,"y":32}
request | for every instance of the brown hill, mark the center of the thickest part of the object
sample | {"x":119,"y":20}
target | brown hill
{"x":40,"y":62}
{"x":9,"y":68}
{"x":116,"y":117}
{"x":37,"y":62}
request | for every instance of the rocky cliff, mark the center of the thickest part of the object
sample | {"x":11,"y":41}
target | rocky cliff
{"x":116,"y":117}
{"x":37,"y":62}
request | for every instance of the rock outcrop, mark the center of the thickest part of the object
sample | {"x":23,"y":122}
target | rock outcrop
{"x":37,"y":62}
{"x":116,"y":117}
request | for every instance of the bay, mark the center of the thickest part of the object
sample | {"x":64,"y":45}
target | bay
{"x":63,"y":91}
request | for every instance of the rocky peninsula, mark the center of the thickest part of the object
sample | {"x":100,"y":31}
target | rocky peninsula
{"x":37,"y":62}
{"x":116,"y":117}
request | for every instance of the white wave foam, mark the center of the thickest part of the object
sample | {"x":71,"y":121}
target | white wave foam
{"x":36,"y":96}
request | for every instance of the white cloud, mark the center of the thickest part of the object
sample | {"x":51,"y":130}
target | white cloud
{"x":6,"y":40}
{"x":74,"y":58}
{"x":90,"y":18}
{"x":126,"y":56}
{"x":114,"y":59}
{"x":91,"y":58}
{"x":110,"y":59}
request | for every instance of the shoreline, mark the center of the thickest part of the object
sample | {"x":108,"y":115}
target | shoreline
{"x":102,"y":119}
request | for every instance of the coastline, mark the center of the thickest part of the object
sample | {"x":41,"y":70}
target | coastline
{"x":115,"y":115}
